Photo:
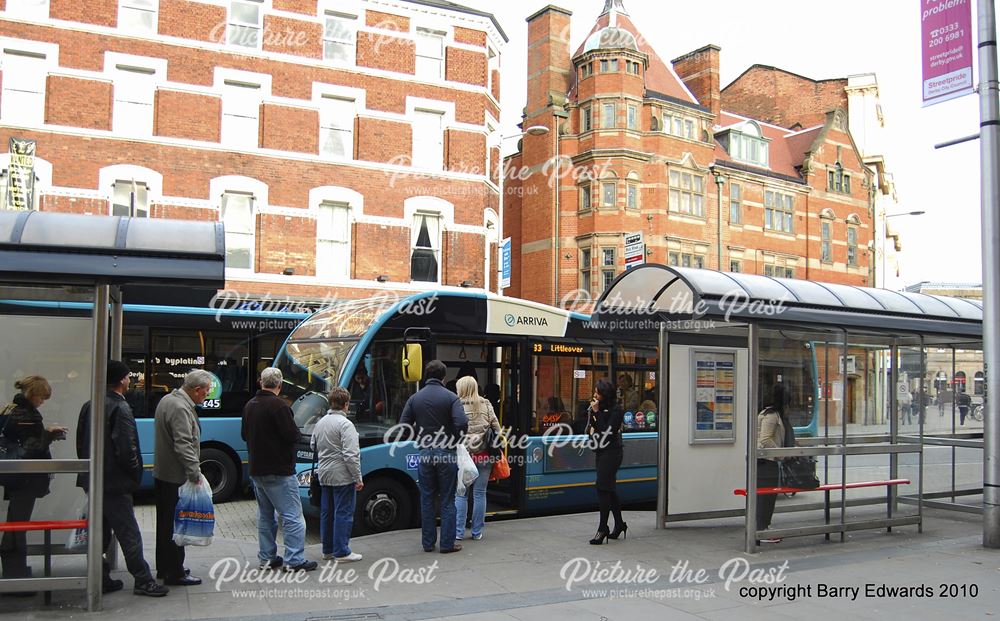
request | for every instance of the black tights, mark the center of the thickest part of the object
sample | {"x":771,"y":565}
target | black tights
{"x":609,"y":503}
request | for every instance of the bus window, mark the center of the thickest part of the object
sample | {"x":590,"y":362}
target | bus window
{"x":564,"y":380}
{"x":636,"y":387}
{"x":133,"y":354}
{"x":226,"y":355}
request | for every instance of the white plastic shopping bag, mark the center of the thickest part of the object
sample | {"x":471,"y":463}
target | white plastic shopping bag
{"x":194,"y":519}
{"x":78,"y":536}
{"x":467,"y":471}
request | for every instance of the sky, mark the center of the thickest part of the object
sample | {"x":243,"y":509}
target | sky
{"x":818,"y":40}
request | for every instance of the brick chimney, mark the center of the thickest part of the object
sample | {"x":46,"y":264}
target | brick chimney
{"x":549,"y":63}
{"x":699,"y":70}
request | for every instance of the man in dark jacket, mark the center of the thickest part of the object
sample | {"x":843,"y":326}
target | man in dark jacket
{"x":271,"y":434}
{"x":122,"y":472}
{"x":439,"y":419}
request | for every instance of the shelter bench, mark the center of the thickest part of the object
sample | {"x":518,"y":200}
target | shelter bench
{"x":47,"y":526}
{"x":823,"y":488}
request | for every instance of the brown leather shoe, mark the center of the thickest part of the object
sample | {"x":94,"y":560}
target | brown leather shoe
{"x":456,"y":548}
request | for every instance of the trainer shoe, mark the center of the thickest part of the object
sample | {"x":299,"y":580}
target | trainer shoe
{"x":303,"y":566}
{"x":274,"y":563}
{"x":151,"y":589}
{"x":478,"y":537}
{"x":353,"y":557}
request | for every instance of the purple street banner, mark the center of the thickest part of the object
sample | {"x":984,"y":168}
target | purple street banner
{"x":946,"y":39}
{"x":21,"y":175}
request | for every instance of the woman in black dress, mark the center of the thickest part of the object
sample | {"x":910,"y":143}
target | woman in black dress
{"x":606,"y":439}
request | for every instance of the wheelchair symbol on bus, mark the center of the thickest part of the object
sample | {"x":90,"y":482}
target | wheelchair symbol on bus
{"x":412,"y":460}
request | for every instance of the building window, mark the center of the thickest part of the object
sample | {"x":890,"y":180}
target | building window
{"x":826,"y":238}
{"x":686,"y":259}
{"x":779,"y":271}
{"x":585,"y":119}
{"x":585,"y":270}
{"x":340,"y":37}
{"x":238,"y":219}
{"x":633,"y":117}
{"x":135,"y":89}
{"x":632,"y":67}
{"x":240,"y":114}
{"x":609,"y":194}
{"x":607,"y":267}
{"x":852,"y":246}
{"x":22,"y":101}
{"x":607,"y":257}
{"x":430,"y":54}
{"x":336,"y":127}
{"x":333,"y":240}
{"x":838,"y":180}
{"x":586,"y":70}
{"x":734,"y":266}
{"x":246,"y":20}
{"x":608,"y":111}
{"x":632,"y":197}
{"x":613,"y":65}
{"x":426,"y":250}
{"x":492,"y":66}
{"x":428,"y":139}
{"x":687,"y":193}
{"x":28,"y":9}
{"x":778,"y":211}
{"x":735,"y":203}
{"x":585,"y":198}
{"x":130,"y":198}
{"x":138,"y":15}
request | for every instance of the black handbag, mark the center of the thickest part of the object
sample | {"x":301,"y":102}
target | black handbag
{"x":315,"y":490}
{"x":798,"y":472}
{"x":491,"y":442}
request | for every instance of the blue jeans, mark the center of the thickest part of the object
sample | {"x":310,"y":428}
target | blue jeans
{"x":278,"y":495}
{"x":478,"y":502}
{"x":336,"y":518}
{"x":437,"y":470}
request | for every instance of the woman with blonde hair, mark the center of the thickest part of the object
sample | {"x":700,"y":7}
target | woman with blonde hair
{"x":481,"y":418}
{"x":21,"y":422}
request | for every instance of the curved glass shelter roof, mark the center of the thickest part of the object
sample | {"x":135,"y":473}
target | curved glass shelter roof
{"x":674,"y":292}
{"x":70,"y":248}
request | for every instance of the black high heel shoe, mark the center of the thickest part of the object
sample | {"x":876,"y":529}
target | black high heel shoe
{"x":600,"y":537}
{"x":619,"y":530}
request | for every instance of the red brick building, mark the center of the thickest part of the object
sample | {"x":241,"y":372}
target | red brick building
{"x":349,"y":146}
{"x":649,"y":146}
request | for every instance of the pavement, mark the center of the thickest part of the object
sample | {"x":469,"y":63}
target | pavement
{"x":543,"y":569}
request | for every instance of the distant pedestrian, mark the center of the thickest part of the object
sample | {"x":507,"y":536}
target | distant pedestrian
{"x":773,"y":431}
{"x":23,"y":424}
{"x":439,"y":420}
{"x":336,"y":443}
{"x":271,"y":435}
{"x":177,"y":459}
{"x":964,"y":401}
{"x":122,"y":473}
{"x":606,"y":419}
{"x":481,"y":417}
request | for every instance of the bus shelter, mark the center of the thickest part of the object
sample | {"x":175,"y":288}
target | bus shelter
{"x":859,"y":366}
{"x":66,"y":257}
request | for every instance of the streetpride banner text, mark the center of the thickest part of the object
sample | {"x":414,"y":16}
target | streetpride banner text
{"x":946,"y":39}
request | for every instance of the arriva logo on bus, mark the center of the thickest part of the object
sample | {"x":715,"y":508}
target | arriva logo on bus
{"x":523,"y":320}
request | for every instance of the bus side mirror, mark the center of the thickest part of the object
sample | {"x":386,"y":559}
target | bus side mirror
{"x":413,"y":362}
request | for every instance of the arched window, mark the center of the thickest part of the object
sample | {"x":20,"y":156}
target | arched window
{"x":826,"y":235}
{"x":335,"y":208}
{"x":960,"y":381}
{"x":609,"y":190}
{"x":239,"y":199}
{"x":979,"y":383}
{"x":132,"y":189}
{"x":31,"y":185}
{"x":428,"y":215}
{"x":632,"y":191}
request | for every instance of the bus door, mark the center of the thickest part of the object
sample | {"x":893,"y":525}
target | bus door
{"x":559,"y":468}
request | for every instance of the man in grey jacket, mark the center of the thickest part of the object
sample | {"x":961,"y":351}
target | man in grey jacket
{"x":177,"y":459}
{"x":339,"y":469}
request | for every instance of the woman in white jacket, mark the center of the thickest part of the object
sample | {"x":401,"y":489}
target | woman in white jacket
{"x":339,"y":469}
{"x":481,"y":417}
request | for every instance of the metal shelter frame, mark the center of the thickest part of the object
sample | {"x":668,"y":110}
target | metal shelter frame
{"x":102,"y":252}
{"x":755,"y":303}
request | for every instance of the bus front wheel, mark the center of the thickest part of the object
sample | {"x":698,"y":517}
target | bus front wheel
{"x":384,"y":505}
{"x":221,"y":472}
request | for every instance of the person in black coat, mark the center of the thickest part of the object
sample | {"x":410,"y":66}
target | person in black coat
{"x":23,"y":424}
{"x":121,"y":477}
{"x":606,"y":439}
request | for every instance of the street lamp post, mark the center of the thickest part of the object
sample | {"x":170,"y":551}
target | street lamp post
{"x":720,"y":179}
{"x":885,"y":236}
{"x":534,"y":130}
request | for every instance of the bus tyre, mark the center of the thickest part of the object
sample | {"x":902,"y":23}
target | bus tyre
{"x":221,"y":472}
{"x":384,"y":505}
